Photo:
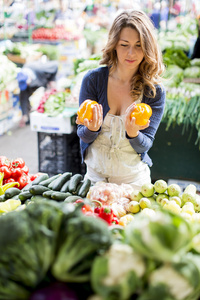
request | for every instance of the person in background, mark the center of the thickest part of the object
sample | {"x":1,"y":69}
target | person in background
{"x":113,"y":147}
{"x":164,"y":15}
{"x":155,"y":15}
{"x":32,"y":76}
{"x":176,"y":9}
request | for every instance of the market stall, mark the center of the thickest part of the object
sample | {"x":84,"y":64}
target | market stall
{"x":64,"y":238}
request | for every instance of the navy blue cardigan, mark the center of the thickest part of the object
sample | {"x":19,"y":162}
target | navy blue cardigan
{"x":94,"y":87}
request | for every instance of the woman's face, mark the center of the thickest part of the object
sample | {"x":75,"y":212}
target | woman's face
{"x":129,"y":51}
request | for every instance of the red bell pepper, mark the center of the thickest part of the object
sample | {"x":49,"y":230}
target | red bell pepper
{"x":106,"y":213}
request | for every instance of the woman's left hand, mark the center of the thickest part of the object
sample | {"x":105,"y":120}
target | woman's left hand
{"x":132,"y":129}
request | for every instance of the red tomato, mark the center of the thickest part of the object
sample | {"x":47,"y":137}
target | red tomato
{"x":18,"y":163}
{"x":34,"y":176}
{"x":4,"y":161}
{"x":16,"y":172}
{"x":25,"y":169}
{"x":6,"y":170}
{"x":86,"y":208}
{"x":23,"y":181}
{"x":8,"y":180}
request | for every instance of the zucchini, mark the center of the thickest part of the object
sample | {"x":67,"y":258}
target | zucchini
{"x":48,"y":194}
{"x":38,"y":189}
{"x":74,"y":181}
{"x":25,"y":195}
{"x":40,"y":178}
{"x":58,"y":183}
{"x":72,"y":198}
{"x":59,"y":196}
{"x":84,"y":188}
{"x":46,"y":182}
{"x":65,"y":187}
{"x":11,"y":192}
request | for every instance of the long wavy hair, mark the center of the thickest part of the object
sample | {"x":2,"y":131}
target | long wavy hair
{"x":151,"y":67}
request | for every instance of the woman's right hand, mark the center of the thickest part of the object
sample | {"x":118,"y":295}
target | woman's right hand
{"x":96,"y":121}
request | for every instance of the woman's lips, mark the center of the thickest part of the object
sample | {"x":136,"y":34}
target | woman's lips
{"x":130,"y":61}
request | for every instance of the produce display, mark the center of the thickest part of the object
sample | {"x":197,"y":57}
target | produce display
{"x":102,"y":241}
{"x":54,"y":34}
{"x":15,"y":171}
{"x":52,"y":102}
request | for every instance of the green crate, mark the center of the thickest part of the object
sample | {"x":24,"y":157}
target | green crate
{"x":175,"y":154}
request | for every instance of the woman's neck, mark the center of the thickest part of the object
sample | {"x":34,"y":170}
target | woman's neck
{"x":123,"y":76}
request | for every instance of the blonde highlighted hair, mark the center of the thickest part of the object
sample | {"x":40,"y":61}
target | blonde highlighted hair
{"x":151,"y":67}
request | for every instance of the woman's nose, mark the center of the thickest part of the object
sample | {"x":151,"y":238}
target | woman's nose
{"x":131,"y":50}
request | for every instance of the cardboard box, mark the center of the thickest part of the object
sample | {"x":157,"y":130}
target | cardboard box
{"x":63,"y":123}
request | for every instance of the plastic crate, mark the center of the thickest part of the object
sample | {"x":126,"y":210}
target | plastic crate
{"x":59,"y":153}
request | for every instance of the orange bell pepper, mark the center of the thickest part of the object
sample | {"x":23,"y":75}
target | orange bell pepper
{"x":85,"y":110}
{"x":141,"y":113}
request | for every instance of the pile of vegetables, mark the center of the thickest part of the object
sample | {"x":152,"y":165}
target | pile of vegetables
{"x":15,"y":171}
{"x":8,"y":72}
{"x":54,"y":34}
{"x":70,"y":248}
{"x":52,"y":102}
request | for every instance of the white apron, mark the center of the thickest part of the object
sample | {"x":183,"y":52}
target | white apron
{"x":110,"y":158}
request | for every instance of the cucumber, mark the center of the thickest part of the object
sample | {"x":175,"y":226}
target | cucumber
{"x":72,"y":198}
{"x":84,"y":188}
{"x":40,"y":178}
{"x":78,"y":188}
{"x":48,"y":194}
{"x":11,"y":192}
{"x":16,"y":197}
{"x":36,"y":198}
{"x":58,"y":183}
{"x":38,"y":189}
{"x":27,"y":187}
{"x":2,"y":198}
{"x":46,"y":182}
{"x":74,"y":181}
{"x":25,"y":195}
{"x":65,"y":187}
{"x":59,"y":196}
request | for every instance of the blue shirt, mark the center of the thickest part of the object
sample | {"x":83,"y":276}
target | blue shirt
{"x":94,"y":87}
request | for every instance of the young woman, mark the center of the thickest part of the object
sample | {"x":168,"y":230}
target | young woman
{"x":113,"y":147}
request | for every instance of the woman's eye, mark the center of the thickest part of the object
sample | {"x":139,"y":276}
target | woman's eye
{"x":124,"y":45}
{"x":138,"y":45}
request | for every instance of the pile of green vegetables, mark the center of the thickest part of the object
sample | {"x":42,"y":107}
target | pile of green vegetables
{"x":50,"y":248}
